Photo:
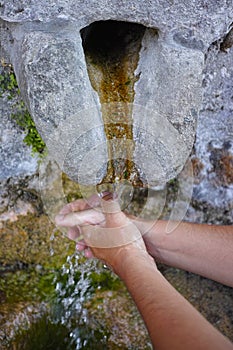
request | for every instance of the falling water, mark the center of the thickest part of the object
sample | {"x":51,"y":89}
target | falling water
{"x":71,"y":294}
{"x":74,"y":287}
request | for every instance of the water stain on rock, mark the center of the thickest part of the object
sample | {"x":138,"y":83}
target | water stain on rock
{"x":222,"y":164}
{"x":112,"y":52}
{"x":227,"y":42}
{"x":197,"y":167}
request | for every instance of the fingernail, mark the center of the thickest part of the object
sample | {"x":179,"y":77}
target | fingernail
{"x":78,"y":247}
{"x":107,"y":196}
{"x":88,"y":254}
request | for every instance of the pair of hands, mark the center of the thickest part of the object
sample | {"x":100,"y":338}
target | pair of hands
{"x":101,"y":229}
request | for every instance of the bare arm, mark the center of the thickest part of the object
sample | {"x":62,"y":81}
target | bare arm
{"x":200,"y":248}
{"x":170,"y":319}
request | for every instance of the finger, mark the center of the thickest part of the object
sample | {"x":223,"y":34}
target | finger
{"x":85,"y":217}
{"x":110,"y":204}
{"x":88,"y":253}
{"x":80,"y":246}
{"x":73,"y":233}
{"x":112,"y":210}
{"x":107,"y":195}
{"x":80,"y":204}
{"x":109,"y":237}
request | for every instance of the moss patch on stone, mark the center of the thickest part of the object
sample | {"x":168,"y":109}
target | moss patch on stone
{"x":22,"y":117}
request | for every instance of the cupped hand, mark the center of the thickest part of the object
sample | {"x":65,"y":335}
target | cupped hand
{"x":101,"y":229}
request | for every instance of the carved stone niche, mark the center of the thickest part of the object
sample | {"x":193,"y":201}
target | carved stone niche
{"x":153,"y":115}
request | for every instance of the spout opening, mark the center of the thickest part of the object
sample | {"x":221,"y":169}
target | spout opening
{"x":110,"y":39}
{"x":111,"y":51}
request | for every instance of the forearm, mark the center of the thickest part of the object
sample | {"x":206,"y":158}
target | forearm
{"x":203,"y":249}
{"x":171,"y":321}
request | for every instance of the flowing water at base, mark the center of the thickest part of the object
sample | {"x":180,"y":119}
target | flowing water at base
{"x":62,"y":302}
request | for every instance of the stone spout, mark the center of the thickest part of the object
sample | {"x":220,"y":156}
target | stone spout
{"x":147,"y":126}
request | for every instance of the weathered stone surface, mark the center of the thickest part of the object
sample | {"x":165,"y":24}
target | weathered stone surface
{"x":45,"y":47}
{"x":122,"y":317}
{"x":169,"y":91}
{"x":44,"y":44}
{"x":190,"y":22}
{"x":17,"y":166}
{"x":18,"y":317}
{"x":15,"y":157}
{"x":213,"y":159}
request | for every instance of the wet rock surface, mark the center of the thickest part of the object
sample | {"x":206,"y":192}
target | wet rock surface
{"x":25,"y":257}
{"x":17,"y":317}
{"x":27,"y":271}
{"x":30,"y":253}
{"x":116,"y":313}
{"x":18,"y":180}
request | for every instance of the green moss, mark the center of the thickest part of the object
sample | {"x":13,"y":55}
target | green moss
{"x":8,"y":84}
{"x":173,"y":184}
{"x":44,"y":334}
{"x":105,"y":281}
{"x":32,"y":138}
{"x":28,"y":285}
{"x":49,"y":335}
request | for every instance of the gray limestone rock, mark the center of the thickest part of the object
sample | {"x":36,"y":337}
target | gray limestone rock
{"x":17,"y":165}
{"x":44,"y":43}
{"x":213,"y":159}
{"x":15,"y":156}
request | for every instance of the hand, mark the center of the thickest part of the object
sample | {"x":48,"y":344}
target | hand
{"x":101,"y":229}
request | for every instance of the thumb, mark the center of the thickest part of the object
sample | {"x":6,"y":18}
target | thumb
{"x":110,"y":204}
{"x":112,"y":211}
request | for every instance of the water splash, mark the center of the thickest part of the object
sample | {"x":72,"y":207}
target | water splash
{"x":74,"y":287}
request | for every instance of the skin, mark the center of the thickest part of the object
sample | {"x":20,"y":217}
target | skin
{"x":203,"y":249}
{"x":170,"y":319}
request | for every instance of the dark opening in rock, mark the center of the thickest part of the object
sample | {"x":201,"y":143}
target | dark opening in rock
{"x":112,"y":52}
{"x":111,"y":40}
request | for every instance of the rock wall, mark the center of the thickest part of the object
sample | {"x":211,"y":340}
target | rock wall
{"x":213,"y":159}
{"x":45,"y":46}
{"x":16,"y":158}
{"x":18,"y":168}
{"x":45,"y":35}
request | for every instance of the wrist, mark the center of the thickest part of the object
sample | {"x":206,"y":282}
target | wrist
{"x":154,"y":238}
{"x":152,"y":233}
{"x":130,"y":257}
